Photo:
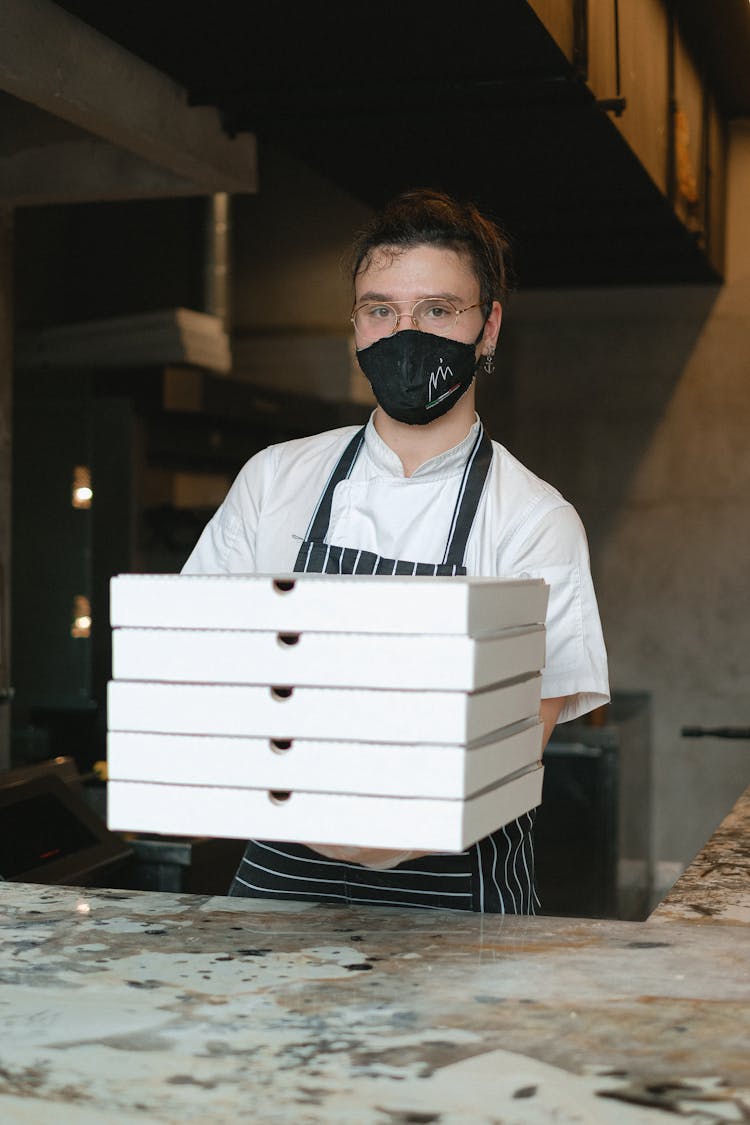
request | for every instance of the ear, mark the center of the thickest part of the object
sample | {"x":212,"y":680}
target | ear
{"x":492,"y":326}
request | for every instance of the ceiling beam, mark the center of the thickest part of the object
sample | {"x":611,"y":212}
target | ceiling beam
{"x":63,"y":66}
{"x":89,"y":170}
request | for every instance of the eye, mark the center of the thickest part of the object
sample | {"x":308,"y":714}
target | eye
{"x":436,"y":310}
{"x":374,"y":320}
{"x":374,"y":311}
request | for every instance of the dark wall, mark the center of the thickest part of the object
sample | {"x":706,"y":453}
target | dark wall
{"x":81,"y":261}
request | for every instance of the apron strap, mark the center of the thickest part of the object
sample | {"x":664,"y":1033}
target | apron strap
{"x":470,"y":490}
{"x":321,"y":517}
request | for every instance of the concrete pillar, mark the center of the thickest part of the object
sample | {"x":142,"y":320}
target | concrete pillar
{"x":6,"y":414}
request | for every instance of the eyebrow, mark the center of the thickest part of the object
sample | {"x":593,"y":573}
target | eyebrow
{"x":386,"y":299}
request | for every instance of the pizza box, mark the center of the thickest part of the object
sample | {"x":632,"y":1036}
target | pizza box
{"x":367,"y":660}
{"x":299,"y":603}
{"x":376,"y":769}
{"x":282,"y":712}
{"x":401,"y":823}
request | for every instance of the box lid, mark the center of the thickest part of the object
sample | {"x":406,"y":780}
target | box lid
{"x":327,"y":602}
{"x":367,"y":660}
{"x":324,"y":818}
{"x":381,"y":769}
{"x":308,"y":712}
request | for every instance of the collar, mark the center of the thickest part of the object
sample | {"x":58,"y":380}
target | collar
{"x":384,"y":462}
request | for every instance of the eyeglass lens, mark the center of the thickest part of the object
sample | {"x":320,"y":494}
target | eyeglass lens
{"x":435,"y":314}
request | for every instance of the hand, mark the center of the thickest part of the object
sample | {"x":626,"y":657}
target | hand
{"x":380,"y":858}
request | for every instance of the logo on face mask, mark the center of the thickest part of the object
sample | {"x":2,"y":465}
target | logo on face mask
{"x":443,"y":373}
{"x":417,"y":377}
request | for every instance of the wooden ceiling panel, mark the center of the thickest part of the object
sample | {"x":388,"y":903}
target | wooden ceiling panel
{"x":480,"y":102}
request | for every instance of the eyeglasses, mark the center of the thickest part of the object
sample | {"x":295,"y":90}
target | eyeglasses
{"x":375,"y":319}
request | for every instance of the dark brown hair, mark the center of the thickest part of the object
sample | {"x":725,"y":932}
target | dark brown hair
{"x":423,"y":217}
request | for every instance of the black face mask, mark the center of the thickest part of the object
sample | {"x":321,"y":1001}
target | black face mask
{"x":415,"y":376}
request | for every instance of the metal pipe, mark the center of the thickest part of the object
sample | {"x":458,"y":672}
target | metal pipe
{"x":715,"y":732}
{"x":706,"y":186}
{"x":216,"y":272}
{"x":671,"y":170}
{"x":617,"y":48}
{"x":581,"y":38}
{"x":617,"y":104}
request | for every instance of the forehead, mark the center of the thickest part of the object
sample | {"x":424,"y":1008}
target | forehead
{"x":422,"y":271}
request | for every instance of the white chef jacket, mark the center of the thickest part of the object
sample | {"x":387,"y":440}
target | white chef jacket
{"x":523,"y":528}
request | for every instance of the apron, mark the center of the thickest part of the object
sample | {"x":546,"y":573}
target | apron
{"x":495,"y":875}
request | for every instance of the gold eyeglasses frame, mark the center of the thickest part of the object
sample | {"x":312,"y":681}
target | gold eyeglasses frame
{"x":399,"y":316}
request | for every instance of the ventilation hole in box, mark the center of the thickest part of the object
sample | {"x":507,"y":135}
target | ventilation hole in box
{"x":280,"y":745}
{"x":281,"y":693}
{"x":278,"y":796}
{"x":283,"y":585}
{"x":287,"y":638}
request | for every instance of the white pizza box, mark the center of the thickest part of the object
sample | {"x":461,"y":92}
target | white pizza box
{"x":373,"y":715}
{"x":377,"y":769}
{"x":367,"y":660}
{"x":327,"y":602}
{"x":418,"y":823}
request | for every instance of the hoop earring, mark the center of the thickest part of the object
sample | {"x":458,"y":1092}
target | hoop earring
{"x":489,"y":362}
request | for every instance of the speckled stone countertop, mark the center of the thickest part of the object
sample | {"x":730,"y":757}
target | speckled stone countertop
{"x":136,"y":1006}
{"x":716,"y":885}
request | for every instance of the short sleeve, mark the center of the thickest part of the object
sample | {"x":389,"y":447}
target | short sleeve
{"x":556,"y":549}
{"x":227,"y":543}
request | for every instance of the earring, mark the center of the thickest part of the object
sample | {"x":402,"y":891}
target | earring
{"x":489,"y":362}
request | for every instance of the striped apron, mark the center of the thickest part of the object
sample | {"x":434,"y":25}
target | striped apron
{"x":495,"y":875}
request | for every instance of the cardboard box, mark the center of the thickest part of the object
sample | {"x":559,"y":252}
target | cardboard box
{"x":322,"y":713}
{"x":365,"y":660}
{"x":398,"y":769}
{"x":298,"y":603}
{"x":334,"y":818}
{"x":374,"y":711}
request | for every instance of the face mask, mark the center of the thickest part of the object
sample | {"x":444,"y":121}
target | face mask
{"x":415,"y":376}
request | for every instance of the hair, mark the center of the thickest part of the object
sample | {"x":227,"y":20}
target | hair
{"x":423,"y":217}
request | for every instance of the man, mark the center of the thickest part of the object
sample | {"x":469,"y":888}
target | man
{"x":420,"y":489}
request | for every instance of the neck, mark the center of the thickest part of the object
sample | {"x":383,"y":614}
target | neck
{"x":416,"y":444}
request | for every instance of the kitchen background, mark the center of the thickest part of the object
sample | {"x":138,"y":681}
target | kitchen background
{"x":613,"y":141}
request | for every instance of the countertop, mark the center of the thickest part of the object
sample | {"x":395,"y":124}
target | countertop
{"x":716,"y":885}
{"x":136,"y":1006}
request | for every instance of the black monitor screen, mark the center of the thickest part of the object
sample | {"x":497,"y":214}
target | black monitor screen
{"x":37,"y":830}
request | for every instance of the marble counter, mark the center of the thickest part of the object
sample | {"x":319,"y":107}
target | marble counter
{"x":716,"y":885}
{"x":135,"y":1006}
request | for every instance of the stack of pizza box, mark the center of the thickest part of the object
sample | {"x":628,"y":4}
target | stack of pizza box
{"x":372,"y":711}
